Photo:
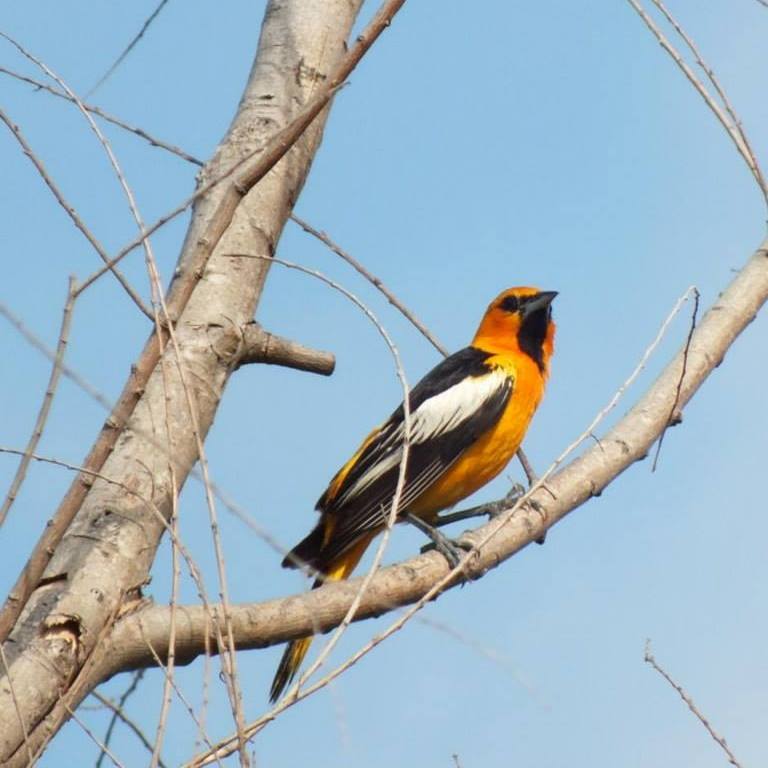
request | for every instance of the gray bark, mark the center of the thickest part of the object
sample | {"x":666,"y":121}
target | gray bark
{"x":108,"y":550}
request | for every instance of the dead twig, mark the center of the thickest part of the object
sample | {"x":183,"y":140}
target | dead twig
{"x":93,"y":737}
{"x":649,"y":658}
{"x":377,"y":282}
{"x":45,"y":406}
{"x":118,"y":713}
{"x":104,"y":115}
{"x":675,"y":417}
{"x":121,"y":58}
{"x":736,"y":124}
{"x":72,"y":213}
{"x":734,"y":130}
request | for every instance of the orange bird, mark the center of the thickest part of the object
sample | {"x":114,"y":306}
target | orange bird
{"x":469,"y":415}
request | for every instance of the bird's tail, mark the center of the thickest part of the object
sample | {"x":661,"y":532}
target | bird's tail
{"x":296,"y":650}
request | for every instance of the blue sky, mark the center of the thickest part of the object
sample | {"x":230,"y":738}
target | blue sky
{"x":477,"y":147}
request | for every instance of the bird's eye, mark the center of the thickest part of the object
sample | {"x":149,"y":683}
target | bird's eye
{"x":510,"y":304}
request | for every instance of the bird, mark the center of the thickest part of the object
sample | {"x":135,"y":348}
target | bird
{"x":468,"y":417}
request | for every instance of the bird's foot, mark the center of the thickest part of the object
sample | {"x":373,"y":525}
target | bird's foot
{"x":451,"y":549}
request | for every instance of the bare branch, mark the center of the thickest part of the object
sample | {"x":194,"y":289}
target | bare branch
{"x":95,"y":739}
{"x":45,"y":407}
{"x":675,"y":417}
{"x":119,"y":60}
{"x":734,"y":130}
{"x":152,"y":140}
{"x":736,"y":123}
{"x":373,"y":279}
{"x":118,"y":713}
{"x":71,"y":212}
{"x":650,"y":659}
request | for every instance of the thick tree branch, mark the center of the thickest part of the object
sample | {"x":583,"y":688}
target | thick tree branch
{"x":108,"y":548}
{"x":275,"y":621}
{"x":262,"y":113}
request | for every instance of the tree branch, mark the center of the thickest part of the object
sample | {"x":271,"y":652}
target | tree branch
{"x":109,"y":546}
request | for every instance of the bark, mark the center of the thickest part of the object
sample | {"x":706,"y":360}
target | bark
{"x":108,"y":549}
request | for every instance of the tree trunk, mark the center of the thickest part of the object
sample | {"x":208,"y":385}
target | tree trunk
{"x":108,"y":550}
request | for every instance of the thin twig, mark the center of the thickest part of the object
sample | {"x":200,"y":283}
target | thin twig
{"x":119,"y":60}
{"x":228,"y":657}
{"x":45,"y":406}
{"x":674,"y":417}
{"x":113,"y":161}
{"x":35,"y":341}
{"x":736,"y":134}
{"x":72,"y":213}
{"x":93,"y":737}
{"x":751,"y":158}
{"x":650,"y":659}
{"x":180,"y":694}
{"x":118,"y":713}
{"x":140,"y":132}
{"x":377,"y":282}
{"x":171,"y":658}
{"x":492,"y":654}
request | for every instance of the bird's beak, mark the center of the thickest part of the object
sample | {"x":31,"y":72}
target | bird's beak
{"x":540,"y":301}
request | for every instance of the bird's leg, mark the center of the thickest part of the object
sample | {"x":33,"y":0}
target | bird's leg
{"x":450,"y":549}
{"x":533,"y":478}
{"x":492,"y":509}
{"x":530,"y":472}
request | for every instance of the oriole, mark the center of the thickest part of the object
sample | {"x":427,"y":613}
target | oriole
{"x":468,"y":418}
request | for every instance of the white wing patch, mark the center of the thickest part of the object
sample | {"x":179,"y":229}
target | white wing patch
{"x":446,"y":411}
{"x":436,"y":416}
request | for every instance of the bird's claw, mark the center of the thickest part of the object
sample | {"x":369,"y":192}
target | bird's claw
{"x":451,"y":549}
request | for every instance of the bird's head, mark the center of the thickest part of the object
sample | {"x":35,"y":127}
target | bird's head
{"x":519,"y":320}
